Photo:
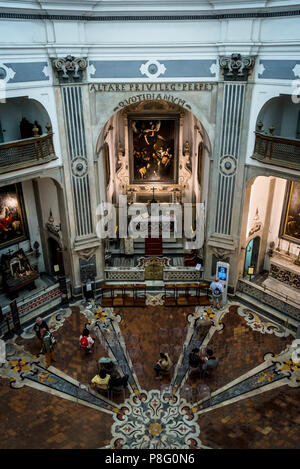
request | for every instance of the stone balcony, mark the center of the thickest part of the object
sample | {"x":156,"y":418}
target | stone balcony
{"x":278,"y":151}
{"x":25,"y":153}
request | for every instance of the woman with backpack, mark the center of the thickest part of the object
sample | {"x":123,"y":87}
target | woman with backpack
{"x":85,"y":341}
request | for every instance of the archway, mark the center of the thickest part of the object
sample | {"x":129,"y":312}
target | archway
{"x":156,"y":151}
{"x":251,"y":257}
{"x":55,"y":257}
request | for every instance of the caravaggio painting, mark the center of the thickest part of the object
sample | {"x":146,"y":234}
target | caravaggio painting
{"x":290,"y":227}
{"x":12,"y":223}
{"x":153,"y":148}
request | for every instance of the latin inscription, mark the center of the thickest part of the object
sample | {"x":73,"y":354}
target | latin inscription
{"x":154,"y":87}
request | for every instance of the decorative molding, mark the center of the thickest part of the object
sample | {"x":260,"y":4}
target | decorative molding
{"x":268,"y":298}
{"x":236,"y":67}
{"x":152,"y":69}
{"x":286,"y":276}
{"x":6,"y":73}
{"x":79,"y":166}
{"x":105,"y":18}
{"x":69,"y":68}
{"x":228,"y":165}
{"x":86,"y":254}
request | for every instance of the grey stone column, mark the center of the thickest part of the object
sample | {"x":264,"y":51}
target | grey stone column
{"x":234,"y":97}
{"x":74,"y":114}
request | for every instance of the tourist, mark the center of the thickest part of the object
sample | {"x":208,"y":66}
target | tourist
{"x":48,"y":347}
{"x":210,"y":362}
{"x":39,"y":325}
{"x":108,"y":364}
{"x":116,"y":382}
{"x":162,"y":365}
{"x":217,"y":290}
{"x":195,"y":359}
{"x":101,"y":381}
{"x":86,"y":342}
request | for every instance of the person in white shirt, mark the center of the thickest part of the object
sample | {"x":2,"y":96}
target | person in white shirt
{"x":217,"y":290}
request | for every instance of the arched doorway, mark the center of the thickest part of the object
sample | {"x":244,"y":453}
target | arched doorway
{"x":158,"y":152}
{"x":252,"y":251}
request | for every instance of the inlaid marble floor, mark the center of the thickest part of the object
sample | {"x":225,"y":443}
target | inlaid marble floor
{"x":253,"y":400}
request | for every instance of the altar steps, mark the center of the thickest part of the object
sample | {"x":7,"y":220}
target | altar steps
{"x":269,"y":305}
{"x":169,"y":246}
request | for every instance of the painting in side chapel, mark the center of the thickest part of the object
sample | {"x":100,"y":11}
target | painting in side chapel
{"x":290,"y":225}
{"x":153,"y":149}
{"x":12,"y":216}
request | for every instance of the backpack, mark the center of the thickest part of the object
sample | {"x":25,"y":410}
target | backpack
{"x":84,"y":342}
{"x":52,"y":339}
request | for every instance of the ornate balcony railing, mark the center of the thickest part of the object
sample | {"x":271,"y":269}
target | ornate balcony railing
{"x":27,"y":152}
{"x":277,"y":151}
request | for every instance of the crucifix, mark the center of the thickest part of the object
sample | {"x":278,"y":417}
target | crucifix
{"x":153,"y":201}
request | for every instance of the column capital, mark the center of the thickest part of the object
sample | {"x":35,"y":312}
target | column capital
{"x":236,"y":67}
{"x":69,"y":69}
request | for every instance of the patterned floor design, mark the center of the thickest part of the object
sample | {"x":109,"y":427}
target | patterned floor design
{"x":253,"y":399}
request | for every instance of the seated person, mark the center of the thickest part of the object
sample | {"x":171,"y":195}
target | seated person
{"x":86,"y":341}
{"x":101,"y":381}
{"x":195,"y":360}
{"x":211,"y":361}
{"x":118,"y":382}
{"x":162,"y":365}
{"x":107,"y":364}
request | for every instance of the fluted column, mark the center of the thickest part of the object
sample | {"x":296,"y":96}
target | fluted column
{"x":234,"y":97}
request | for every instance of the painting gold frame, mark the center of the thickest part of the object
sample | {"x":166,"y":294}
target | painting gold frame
{"x":153,"y":148}
{"x":13,"y":223}
{"x":290,"y":221}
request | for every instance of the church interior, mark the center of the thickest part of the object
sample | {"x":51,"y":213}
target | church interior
{"x":150,"y":225}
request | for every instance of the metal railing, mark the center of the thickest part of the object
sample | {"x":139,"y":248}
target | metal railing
{"x":277,"y":151}
{"x":26,"y":152}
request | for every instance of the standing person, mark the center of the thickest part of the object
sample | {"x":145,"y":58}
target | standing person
{"x":39,"y":325}
{"x":210,"y":362}
{"x":48,"y":347}
{"x":86,"y":341}
{"x":162,"y":365}
{"x":195,"y":359}
{"x":217,"y":290}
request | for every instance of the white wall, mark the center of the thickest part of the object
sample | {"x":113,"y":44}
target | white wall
{"x":12,"y":112}
{"x":48,"y":195}
{"x":258,"y":200}
{"x":32,"y":219}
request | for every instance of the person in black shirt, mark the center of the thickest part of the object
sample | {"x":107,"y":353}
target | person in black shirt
{"x":40,"y":324}
{"x":194,"y":358}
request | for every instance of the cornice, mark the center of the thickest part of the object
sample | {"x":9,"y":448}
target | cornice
{"x":214,"y":15}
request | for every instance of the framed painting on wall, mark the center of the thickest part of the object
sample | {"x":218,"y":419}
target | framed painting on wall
{"x":153,"y":149}
{"x":290,"y":221}
{"x":13,"y":226}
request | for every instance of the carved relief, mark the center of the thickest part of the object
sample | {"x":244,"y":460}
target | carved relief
{"x":236,"y":67}
{"x":69,"y":68}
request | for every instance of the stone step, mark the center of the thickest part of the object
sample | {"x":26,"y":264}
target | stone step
{"x":266,"y":310}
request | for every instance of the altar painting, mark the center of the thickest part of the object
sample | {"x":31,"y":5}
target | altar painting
{"x":291,"y":213}
{"x":153,"y":149}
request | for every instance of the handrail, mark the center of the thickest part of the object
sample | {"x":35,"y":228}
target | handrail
{"x":280,"y":151}
{"x":37,"y":149}
{"x":276,"y":293}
